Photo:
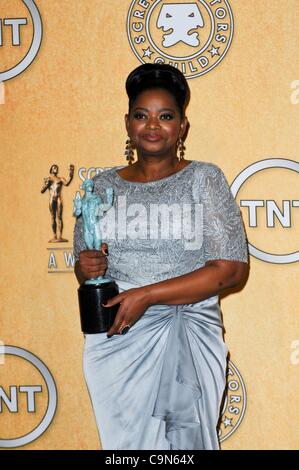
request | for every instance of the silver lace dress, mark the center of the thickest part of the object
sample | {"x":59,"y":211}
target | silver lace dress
{"x":160,"y":385}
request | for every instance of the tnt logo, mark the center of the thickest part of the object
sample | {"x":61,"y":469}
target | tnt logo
{"x":14,"y":24}
{"x":11,"y":399}
{"x":267,"y":193}
{"x":20,"y":36}
{"x":28,"y":397}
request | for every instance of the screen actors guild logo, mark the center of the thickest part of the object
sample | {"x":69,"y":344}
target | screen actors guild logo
{"x":234,"y":405}
{"x":179,"y":21}
{"x":18,"y":35}
{"x":192,"y":36}
{"x":54,"y":184}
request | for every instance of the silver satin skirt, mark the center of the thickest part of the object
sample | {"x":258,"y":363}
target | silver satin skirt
{"x":160,"y":385}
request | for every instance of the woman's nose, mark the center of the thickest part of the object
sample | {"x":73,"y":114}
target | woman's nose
{"x":153,"y":123}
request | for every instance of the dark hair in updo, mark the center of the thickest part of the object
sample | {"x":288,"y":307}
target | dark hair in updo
{"x":151,"y":76}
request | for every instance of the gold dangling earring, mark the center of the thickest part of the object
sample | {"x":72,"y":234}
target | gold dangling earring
{"x":129,"y":153}
{"x":181,"y":149}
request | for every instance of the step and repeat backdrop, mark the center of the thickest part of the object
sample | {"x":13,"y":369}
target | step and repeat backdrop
{"x":63,"y":67}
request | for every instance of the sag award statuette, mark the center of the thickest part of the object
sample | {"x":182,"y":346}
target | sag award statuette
{"x":94,"y":317}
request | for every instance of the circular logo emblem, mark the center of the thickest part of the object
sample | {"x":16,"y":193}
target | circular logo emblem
{"x":192,"y":36}
{"x":234,"y":404}
{"x":28,"y":397}
{"x":20,"y":37}
{"x":274,"y":213}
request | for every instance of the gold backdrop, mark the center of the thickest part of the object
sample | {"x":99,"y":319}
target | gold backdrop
{"x":68,"y":107}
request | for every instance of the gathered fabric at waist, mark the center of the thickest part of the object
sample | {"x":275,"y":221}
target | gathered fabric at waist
{"x":176,"y":356}
{"x":208,"y":309}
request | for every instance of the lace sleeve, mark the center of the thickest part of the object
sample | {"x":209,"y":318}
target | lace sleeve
{"x":223,"y":229}
{"x":78,"y":241}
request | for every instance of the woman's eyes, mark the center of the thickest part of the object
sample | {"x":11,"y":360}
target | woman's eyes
{"x":163,"y":117}
{"x":139,"y":116}
{"x":166,"y":116}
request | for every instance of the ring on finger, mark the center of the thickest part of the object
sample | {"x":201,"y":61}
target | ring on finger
{"x":124,"y":329}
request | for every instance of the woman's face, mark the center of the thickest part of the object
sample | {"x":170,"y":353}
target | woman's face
{"x":154,"y":123}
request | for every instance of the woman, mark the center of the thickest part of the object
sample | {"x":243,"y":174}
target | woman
{"x":160,"y":385}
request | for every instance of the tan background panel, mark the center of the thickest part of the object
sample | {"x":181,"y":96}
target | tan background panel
{"x":68,"y":107}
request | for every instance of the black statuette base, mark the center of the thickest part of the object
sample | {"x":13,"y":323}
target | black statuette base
{"x":94,"y":317}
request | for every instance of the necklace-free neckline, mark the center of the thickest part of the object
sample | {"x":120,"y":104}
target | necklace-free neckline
{"x":154,"y":181}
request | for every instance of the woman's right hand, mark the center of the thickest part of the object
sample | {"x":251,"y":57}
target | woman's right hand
{"x":93,"y":263}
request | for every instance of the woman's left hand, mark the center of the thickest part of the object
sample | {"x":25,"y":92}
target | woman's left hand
{"x":133,"y":303}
